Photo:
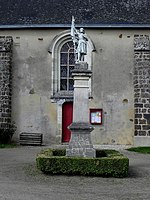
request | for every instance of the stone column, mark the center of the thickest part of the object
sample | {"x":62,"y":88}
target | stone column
{"x":80,"y":143}
{"x":142,"y":84}
{"x":5,"y":80}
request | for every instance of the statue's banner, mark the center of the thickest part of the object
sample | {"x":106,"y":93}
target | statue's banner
{"x":80,"y":42}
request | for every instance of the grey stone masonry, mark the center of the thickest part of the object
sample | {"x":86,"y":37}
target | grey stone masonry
{"x":80,"y":144}
{"x":142,"y":85}
{"x":5,"y":80}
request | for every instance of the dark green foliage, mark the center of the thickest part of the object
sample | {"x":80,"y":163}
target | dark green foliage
{"x":7,"y":133}
{"x":140,"y":149}
{"x":54,"y":152}
{"x":60,"y":152}
{"x":100,"y":153}
{"x":113,"y":164}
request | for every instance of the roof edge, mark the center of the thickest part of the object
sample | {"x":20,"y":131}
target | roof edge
{"x":108,"y":26}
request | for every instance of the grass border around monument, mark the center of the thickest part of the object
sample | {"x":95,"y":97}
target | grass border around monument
{"x":108,"y":163}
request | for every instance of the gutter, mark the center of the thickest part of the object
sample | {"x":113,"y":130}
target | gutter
{"x":101,"y":26}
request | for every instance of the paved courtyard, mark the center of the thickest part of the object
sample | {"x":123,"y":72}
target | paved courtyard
{"x":20,"y":180}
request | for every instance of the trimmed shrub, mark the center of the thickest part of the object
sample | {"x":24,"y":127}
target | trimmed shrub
{"x":7,"y":133}
{"x":109,"y":163}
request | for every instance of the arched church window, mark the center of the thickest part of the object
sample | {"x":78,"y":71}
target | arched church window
{"x":63,"y":62}
{"x":67,"y":62}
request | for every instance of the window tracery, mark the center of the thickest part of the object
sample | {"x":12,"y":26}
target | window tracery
{"x":67,"y":62}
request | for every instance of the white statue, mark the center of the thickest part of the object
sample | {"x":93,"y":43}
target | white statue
{"x":80,"y":42}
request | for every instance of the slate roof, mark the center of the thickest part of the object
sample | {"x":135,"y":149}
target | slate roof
{"x":86,"y":12}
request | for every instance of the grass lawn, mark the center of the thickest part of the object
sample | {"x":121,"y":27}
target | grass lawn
{"x":7,"y":146}
{"x":140,"y":149}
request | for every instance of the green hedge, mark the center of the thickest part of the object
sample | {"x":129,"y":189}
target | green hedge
{"x":109,"y":163}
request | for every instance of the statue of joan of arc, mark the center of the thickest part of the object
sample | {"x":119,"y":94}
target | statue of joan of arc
{"x":80,"y":42}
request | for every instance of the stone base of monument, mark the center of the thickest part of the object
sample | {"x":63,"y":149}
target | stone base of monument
{"x":80,"y":144}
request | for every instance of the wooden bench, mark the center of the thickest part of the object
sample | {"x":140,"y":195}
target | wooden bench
{"x":31,"y":139}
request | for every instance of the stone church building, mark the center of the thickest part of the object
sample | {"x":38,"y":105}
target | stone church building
{"x":37,"y":57}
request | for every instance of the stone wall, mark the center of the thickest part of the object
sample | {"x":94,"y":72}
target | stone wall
{"x":5,"y":80}
{"x":112,"y":84}
{"x":142,"y":85}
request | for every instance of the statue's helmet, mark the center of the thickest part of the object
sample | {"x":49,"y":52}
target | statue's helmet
{"x":82,"y":30}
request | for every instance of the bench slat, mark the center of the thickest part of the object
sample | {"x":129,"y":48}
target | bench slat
{"x":31,"y":139}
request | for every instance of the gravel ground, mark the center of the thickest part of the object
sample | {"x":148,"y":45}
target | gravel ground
{"x":20,"y":180}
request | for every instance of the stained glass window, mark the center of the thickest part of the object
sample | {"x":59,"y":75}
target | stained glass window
{"x":67,"y":62}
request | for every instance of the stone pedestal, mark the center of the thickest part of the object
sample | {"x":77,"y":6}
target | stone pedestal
{"x":80,"y":143}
